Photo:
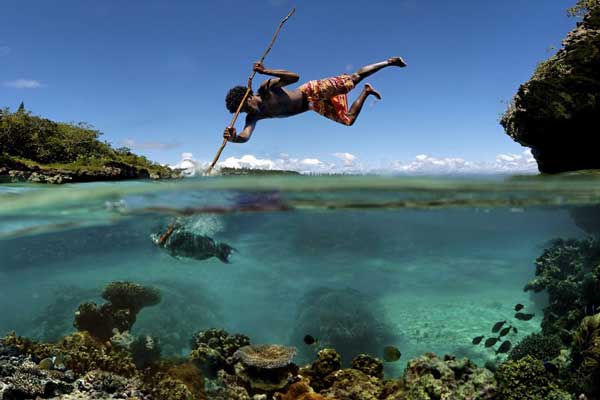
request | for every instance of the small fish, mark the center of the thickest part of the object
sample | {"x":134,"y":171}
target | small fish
{"x":491,"y":341}
{"x":515,"y":330}
{"x":477,"y":340}
{"x":519,"y":307}
{"x":551,"y":367}
{"x":504,"y":347}
{"x":47,"y":363}
{"x":310,"y":340}
{"x":497,"y":326}
{"x":523,"y":317}
{"x":505,"y":331}
{"x":391,"y":353}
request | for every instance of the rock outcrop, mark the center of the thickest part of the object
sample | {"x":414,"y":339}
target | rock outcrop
{"x":111,"y":171}
{"x":557,"y":113}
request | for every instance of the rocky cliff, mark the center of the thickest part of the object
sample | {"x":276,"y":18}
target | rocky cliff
{"x":557,"y":113}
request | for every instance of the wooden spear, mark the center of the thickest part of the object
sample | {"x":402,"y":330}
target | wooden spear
{"x":249,"y":89}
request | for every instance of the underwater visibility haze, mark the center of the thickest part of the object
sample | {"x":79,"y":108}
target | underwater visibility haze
{"x":392,"y":267}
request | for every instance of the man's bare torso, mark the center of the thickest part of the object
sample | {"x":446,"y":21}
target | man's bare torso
{"x":276,"y":103}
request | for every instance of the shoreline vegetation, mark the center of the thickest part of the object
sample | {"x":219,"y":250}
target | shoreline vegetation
{"x":38,"y":150}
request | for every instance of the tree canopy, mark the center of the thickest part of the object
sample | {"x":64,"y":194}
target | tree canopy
{"x":43,"y":141}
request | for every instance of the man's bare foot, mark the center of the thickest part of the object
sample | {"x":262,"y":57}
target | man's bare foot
{"x":397,"y":61}
{"x":372,"y":91}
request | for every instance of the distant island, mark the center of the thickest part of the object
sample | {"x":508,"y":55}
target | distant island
{"x":35,"y":149}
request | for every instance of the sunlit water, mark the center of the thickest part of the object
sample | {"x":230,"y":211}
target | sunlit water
{"x":434,"y":262}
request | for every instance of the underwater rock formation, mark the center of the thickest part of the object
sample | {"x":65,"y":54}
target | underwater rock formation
{"x":343,"y":319}
{"x":569,"y":271}
{"x":125,"y":300}
{"x":527,"y":378}
{"x":587,"y":218}
{"x":557,"y":112}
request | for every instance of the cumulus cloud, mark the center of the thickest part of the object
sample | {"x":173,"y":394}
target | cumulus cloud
{"x":523,"y":163}
{"x":283,"y":162}
{"x":347,"y":158}
{"x":4,"y":51}
{"x":134,"y":144}
{"x":504,"y":163}
{"x":23,"y":84}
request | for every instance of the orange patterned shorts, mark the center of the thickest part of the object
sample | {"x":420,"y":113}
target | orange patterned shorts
{"x":329,"y":97}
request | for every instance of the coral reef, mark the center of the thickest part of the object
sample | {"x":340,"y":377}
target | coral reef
{"x":556,"y":112}
{"x":145,"y":351}
{"x":371,"y":366}
{"x":528,"y":379}
{"x":429,"y":377}
{"x":327,"y":362}
{"x":130,"y":296}
{"x":266,"y":368}
{"x":352,"y":384}
{"x":343,"y":319}
{"x":538,"y":346}
{"x":586,"y":356}
{"x":299,"y":391}
{"x":125,"y":300}
{"x":569,"y":271}
{"x":213,"y":350}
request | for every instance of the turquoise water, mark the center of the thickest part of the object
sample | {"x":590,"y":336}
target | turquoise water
{"x":424,"y":264}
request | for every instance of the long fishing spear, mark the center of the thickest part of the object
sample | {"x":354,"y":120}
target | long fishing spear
{"x":249,"y":89}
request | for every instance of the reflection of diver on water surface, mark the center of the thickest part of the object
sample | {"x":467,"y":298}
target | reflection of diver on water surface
{"x":180,"y":241}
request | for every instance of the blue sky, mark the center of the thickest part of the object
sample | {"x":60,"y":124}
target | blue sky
{"x":153,"y":73}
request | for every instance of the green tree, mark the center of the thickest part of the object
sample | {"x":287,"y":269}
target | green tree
{"x":582,"y":7}
{"x":21,"y":109}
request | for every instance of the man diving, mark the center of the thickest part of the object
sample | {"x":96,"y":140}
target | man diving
{"x":327,"y":97}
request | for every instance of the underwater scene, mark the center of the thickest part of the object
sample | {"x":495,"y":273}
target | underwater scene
{"x":301,"y":288}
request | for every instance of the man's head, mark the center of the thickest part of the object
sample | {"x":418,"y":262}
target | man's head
{"x":234,"y":98}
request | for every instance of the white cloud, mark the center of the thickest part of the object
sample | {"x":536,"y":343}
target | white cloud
{"x":504,"y":163}
{"x":23,"y":84}
{"x":4,"y":51}
{"x":133,"y":144}
{"x":421,"y":164}
{"x":347,"y":158}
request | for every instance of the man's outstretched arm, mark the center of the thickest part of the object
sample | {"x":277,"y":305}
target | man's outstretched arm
{"x":282,"y":77}
{"x":231,"y":135}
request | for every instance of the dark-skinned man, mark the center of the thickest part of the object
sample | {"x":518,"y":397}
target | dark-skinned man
{"x":327,"y":97}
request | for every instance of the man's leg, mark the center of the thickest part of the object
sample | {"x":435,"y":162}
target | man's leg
{"x":358,"y":103}
{"x":371,"y":69}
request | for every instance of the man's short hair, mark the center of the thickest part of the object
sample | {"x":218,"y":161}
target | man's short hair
{"x":234,"y":98}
